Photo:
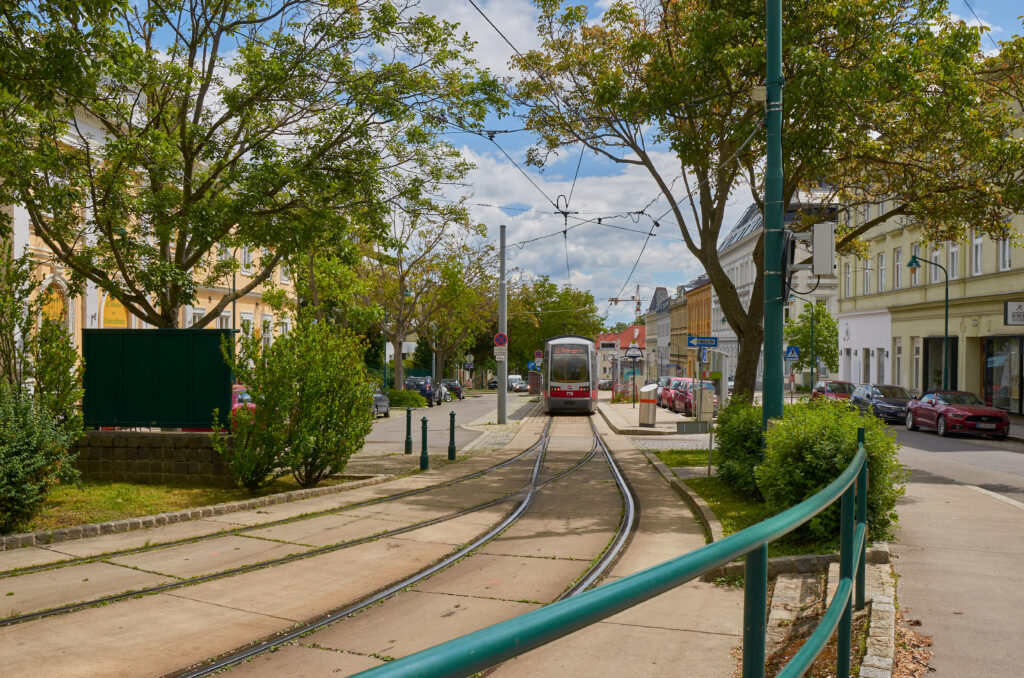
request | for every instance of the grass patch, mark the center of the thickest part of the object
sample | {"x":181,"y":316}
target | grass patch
{"x":98,"y":502}
{"x":684,"y":457}
{"x":737,"y":512}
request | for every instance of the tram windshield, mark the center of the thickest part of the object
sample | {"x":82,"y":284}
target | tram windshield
{"x":569,"y":363}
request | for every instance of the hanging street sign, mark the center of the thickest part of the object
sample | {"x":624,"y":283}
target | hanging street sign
{"x":500,"y":339}
{"x":792,"y":353}
{"x":697,"y":342}
{"x":634,"y":352}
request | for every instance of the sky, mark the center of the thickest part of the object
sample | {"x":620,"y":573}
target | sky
{"x":599,"y":258}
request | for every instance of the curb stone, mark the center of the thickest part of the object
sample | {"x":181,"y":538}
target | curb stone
{"x":701,"y":511}
{"x":41,"y":538}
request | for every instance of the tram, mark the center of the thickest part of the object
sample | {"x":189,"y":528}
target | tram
{"x":570,"y":374}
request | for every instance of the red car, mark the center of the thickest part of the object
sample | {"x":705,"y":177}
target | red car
{"x":832,"y":390}
{"x":686,"y":400}
{"x":957,"y":412}
{"x":669,"y":391}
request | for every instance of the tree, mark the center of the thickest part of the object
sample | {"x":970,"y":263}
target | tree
{"x":540,"y":309}
{"x":825,"y":344}
{"x":268,"y":125}
{"x":886,"y":101}
{"x":617,"y":327}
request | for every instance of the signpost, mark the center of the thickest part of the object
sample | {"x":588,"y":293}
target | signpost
{"x":696,"y":342}
{"x":634,"y":353}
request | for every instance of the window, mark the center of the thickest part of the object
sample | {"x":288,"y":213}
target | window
{"x":867,"y":279}
{"x":267,"y":331}
{"x":224,"y":321}
{"x":976,"y":253}
{"x":953,"y":260}
{"x":286,"y":277}
{"x":247,"y":322}
{"x":881,"y":271}
{"x":916,"y":375}
{"x":223,"y":253}
{"x":286,"y":327}
{"x":915,"y":278}
{"x":246,"y":260}
{"x":936,"y":259}
{"x":846,"y":280}
{"x":197,"y":315}
{"x":897,"y":362}
{"x":1004,"y":255}
{"x":897,"y":268}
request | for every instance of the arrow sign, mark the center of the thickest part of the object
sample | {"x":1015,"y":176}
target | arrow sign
{"x":531,"y":365}
{"x":697,"y":342}
{"x":792,"y":353}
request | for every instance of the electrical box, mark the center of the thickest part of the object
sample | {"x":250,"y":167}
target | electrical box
{"x":823,"y":249}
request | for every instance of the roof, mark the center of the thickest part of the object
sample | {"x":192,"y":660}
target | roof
{"x":624,"y":338}
{"x":659,"y":301}
{"x":752,"y":221}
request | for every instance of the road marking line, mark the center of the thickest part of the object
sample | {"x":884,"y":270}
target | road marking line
{"x":1011,"y":502}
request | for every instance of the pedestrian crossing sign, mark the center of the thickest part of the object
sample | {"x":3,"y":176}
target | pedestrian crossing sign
{"x":792,"y":353}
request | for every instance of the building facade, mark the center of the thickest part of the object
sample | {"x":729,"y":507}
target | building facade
{"x":658,"y":327}
{"x":679,"y":328}
{"x":610,"y":349}
{"x":892,"y":319}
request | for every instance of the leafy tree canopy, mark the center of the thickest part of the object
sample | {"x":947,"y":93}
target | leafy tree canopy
{"x":822,"y":344}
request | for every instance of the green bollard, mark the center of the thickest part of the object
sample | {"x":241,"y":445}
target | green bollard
{"x":451,"y":438}
{"x":424,"y":459}
{"x":408,"y":430}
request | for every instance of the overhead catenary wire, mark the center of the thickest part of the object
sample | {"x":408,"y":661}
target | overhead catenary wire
{"x":981,"y":25}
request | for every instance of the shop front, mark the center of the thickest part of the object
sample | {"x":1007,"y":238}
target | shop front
{"x":1002,"y":380}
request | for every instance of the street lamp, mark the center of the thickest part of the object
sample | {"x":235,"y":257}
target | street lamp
{"x":913,"y":265}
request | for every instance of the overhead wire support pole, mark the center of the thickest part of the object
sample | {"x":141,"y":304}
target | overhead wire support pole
{"x":503,"y":329}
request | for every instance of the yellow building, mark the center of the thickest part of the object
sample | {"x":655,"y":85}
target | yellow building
{"x":678,"y":330}
{"x":698,"y":300}
{"x":892,"y":319}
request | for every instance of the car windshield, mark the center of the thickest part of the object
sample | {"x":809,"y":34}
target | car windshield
{"x":676,"y":385}
{"x":244,"y":397}
{"x":840,"y":387}
{"x":894,"y":392}
{"x":959,"y":398}
{"x":707,"y":386}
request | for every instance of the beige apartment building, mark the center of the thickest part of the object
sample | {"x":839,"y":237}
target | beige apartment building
{"x":892,"y":319}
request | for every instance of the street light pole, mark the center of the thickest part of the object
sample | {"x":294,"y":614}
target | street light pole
{"x":913,"y":265}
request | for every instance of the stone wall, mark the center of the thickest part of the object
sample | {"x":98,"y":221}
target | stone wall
{"x":152,"y":457}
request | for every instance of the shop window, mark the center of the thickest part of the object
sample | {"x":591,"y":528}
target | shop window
{"x":916,"y":372}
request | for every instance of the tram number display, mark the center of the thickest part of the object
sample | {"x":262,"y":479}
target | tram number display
{"x":569,"y":349}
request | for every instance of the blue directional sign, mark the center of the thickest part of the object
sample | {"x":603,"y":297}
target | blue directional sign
{"x":697,"y":342}
{"x":792,"y":353}
{"x":531,"y":365}
{"x":703,"y":354}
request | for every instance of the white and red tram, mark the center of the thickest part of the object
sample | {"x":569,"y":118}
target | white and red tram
{"x":570,"y":374}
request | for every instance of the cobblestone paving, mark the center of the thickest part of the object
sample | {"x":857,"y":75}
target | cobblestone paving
{"x":696,"y":441}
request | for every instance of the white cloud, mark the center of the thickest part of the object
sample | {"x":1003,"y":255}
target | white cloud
{"x":517,"y":20}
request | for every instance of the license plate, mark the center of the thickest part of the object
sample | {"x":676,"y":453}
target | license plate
{"x":568,"y":394}
{"x":986,"y":426}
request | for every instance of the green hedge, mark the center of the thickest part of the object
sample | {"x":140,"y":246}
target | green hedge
{"x":739,"y":447}
{"x":406,"y":398}
{"x":811,"y":446}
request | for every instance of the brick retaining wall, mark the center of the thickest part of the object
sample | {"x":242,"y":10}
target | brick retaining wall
{"x":152,"y":457}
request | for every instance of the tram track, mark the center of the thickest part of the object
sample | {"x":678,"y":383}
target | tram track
{"x":627,"y":524}
{"x":241,"y":531}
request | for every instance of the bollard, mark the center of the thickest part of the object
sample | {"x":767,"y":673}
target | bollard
{"x":451,"y":438}
{"x":408,"y":430}
{"x":424,"y":459}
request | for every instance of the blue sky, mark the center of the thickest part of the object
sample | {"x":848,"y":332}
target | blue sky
{"x":598,"y":258}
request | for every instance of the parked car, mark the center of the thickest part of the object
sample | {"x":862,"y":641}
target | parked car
{"x":454,"y":387}
{"x":493,"y":384}
{"x":425,"y":386}
{"x":668,"y":393}
{"x":381,"y":403}
{"x":519,"y":386}
{"x":685,"y":399}
{"x":886,"y":401}
{"x":604,"y":385}
{"x":832,"y":390}
{"x":662,"y":383}
{"x":957,"y":412}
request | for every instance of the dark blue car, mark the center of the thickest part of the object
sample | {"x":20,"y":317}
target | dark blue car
{"x":425,"y":387}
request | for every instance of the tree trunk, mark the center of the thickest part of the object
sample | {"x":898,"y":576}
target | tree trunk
{"x":746,"y":364}
{"x":396,"y":344}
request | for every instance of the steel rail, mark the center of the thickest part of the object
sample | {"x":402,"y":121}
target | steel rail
{"x":302,"y":629}
{"x":274,"y":523}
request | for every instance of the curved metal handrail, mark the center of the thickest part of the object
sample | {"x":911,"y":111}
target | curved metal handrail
{"x":484,"y":648}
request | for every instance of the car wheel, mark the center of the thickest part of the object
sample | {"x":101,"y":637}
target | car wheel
{"x":940,"y":426}
{"x":447,"y":397}
{"x":387,"y":412}
{"x":911,"y":426}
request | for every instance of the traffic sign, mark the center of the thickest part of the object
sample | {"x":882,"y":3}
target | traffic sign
{"x":469,"y":366}
{"x":500,"y":339}
{"x":538,"y":354}
{"x":703,"y":354}
{"x":792,"y":353}
{"x":469,"y":357}
{"x":697,"y":342}
{"x":634,"y":352}
{"x":531,"y":365}
{"x":501,"y":353}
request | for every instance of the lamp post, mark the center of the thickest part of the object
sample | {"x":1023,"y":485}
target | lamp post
{"x":814,"y":347}
{"x":913,"y":265}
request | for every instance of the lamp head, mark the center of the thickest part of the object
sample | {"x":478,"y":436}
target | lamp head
{"x":913,"y":264}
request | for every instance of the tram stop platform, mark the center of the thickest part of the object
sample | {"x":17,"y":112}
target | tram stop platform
{"x":624,"y":419}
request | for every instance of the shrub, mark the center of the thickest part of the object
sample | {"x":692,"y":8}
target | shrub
{"x":739,"y":447}
{"x":311,"y":405}
{"x":406,"y":398}
{"x":34,"y":456}
{"x":811,"y":446}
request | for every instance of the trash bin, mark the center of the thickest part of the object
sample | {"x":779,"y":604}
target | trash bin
{"x":648,"y":404}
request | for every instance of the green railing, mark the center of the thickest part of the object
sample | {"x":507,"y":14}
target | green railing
{"x":487,"y":647}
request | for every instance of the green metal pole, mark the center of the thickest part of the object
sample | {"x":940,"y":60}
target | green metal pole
{"x":408,"y":430}
{"x":846,"y":531}
{"x":773,"y":220}
{"x":424,"y":459}
{"x":813,"y":354}
{"x":755,"y":604}
{"x":862,"y":518}
{"x":451,"y":437}
{"x":945,"y":340}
